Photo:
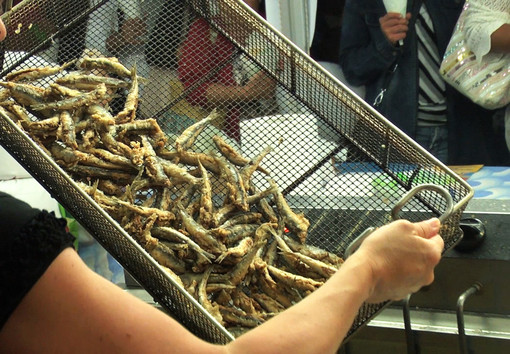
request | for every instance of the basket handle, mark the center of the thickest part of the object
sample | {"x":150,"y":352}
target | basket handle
{"x":441,"y":190}
{"x":356,"y":243}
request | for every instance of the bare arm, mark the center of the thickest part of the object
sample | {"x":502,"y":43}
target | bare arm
{"x":73,"y":308}
{"x":260,"y":86}
{"x":500,"y":39}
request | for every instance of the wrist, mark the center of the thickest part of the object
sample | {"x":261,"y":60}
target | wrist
{"x":360,"y":267}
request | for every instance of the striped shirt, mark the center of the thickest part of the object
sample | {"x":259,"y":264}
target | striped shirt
{"x":431,"y":93}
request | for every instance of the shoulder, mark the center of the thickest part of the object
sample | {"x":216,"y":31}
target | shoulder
{"x":363,"y":8}
{"x":446,"y":4}
{"x":365,"y":5}
{"x":14,"y":214}
{"x":30,"y":240}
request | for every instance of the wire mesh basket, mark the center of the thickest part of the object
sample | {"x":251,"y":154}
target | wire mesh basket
{"x":334,"y":158}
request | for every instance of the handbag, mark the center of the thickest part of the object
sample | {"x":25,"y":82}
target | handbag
{"x":486,"y":82}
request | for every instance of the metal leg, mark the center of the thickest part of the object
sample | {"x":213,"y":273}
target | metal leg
{"x":411,"y":344}
{"x":460,"y":315}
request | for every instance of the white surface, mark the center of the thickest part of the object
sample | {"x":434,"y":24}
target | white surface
{"x":295,"y":142}
{"x":398,"y":6}
{"x":351,"y":184}
{"x":16,"y":181}
{"x":10,"y":168}
{"x":31,"y":192}
{"x":46,"y":58}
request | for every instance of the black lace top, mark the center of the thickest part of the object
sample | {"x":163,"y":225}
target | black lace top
{"x":30,"y":239}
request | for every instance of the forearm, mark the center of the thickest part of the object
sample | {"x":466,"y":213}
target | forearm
{"x":69,"y":290}
{"x":318,"y":323}
{"x":221,"y":94}
{"x":260,"y":86}
{"x":500,"y":39}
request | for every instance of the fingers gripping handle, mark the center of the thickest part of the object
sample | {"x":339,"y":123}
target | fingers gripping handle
{"x":356,"y":243}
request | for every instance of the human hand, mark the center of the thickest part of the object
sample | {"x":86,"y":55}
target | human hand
{"x":394,"y":26}
{"x":402,"y":256}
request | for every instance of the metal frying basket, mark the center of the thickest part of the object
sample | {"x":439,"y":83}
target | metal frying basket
{"x":268,"y":92}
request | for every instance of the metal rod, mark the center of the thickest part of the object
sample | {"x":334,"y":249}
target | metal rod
{"x":8,"y":5}
{"x":460,"y":315}
{"x":411,"y":345}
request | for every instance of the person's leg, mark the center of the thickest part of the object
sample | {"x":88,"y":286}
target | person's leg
{"x":434,"y":140}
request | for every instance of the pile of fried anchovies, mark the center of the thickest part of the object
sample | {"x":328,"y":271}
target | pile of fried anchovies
{"x":238,"y":250}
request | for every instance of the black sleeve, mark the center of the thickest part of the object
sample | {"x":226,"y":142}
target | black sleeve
{"x":30,"y":239}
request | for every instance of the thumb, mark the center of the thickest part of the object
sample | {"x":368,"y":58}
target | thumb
{"x":428,"y":228}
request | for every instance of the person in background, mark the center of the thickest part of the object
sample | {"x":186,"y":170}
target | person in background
{"x":325,"y":48}
{"x":212,"y":69}
{"x":487,"y":32}
{"x":328,"y":27}
{"x":3,"y":31}
{"x":373,"y":42}
{"x":72,"y":42}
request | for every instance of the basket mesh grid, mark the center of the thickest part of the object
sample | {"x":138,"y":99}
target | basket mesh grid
{"x":335,"y":159}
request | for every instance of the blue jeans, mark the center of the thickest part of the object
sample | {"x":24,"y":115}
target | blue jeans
{"x":434,"y":140}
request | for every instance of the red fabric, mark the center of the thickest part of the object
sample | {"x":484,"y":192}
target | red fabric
{"x":198,"y":57}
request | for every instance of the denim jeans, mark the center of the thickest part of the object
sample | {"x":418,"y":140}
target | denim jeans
{"x":434,"y":140}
